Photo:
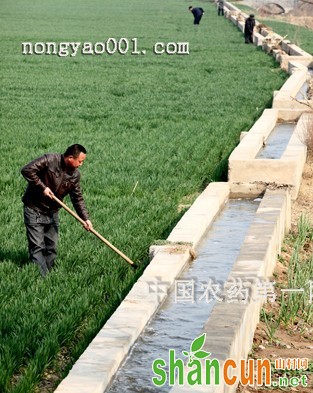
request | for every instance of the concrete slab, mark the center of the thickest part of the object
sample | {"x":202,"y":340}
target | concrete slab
{"x":231,"y":337}
{"x":249,"y":175}
{"x":199,"y":217}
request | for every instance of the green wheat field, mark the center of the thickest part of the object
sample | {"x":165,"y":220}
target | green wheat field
{"x":157,"y":128}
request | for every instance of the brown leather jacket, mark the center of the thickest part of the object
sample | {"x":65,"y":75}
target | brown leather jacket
{"x":50,"y":171}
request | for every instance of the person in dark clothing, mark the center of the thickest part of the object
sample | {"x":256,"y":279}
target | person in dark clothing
{"x":197,"y":13}
{"x":249,"y":26}
{"x":220,"y":8}
{"x":49,"y":175}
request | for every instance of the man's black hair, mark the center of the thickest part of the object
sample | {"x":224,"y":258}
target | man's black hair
{"x":190,"y":7}
{"x":75,"y":150}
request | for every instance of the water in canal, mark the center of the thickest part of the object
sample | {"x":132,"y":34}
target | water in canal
{"x":277,"y":141}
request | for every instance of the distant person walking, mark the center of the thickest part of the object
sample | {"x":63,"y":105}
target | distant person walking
{"x":249,"y":26}
{"x":197,"y":13}
{"x":220,"y":7}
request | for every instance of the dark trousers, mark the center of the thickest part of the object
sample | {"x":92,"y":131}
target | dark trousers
{"x":42,"y":236}
{"x":220,"y":11}
{"x":197,"y":20}
{"x":249,"y":38}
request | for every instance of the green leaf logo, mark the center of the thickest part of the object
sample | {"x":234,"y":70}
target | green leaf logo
{"x":202,"y":354}
{"x":195,"y":349}
{"x":197,"y":343}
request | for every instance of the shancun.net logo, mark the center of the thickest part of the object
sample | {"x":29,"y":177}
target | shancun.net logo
{"x":176,"y":368}
{"x":201,"y":370}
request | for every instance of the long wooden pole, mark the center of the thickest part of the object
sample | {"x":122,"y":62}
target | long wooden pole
{"x":94,"y":231}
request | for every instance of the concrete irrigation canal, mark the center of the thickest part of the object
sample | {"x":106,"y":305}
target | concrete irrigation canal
{"x":235,"y":243}
{"x":186,"y":309}
{"x":277,"y":141}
